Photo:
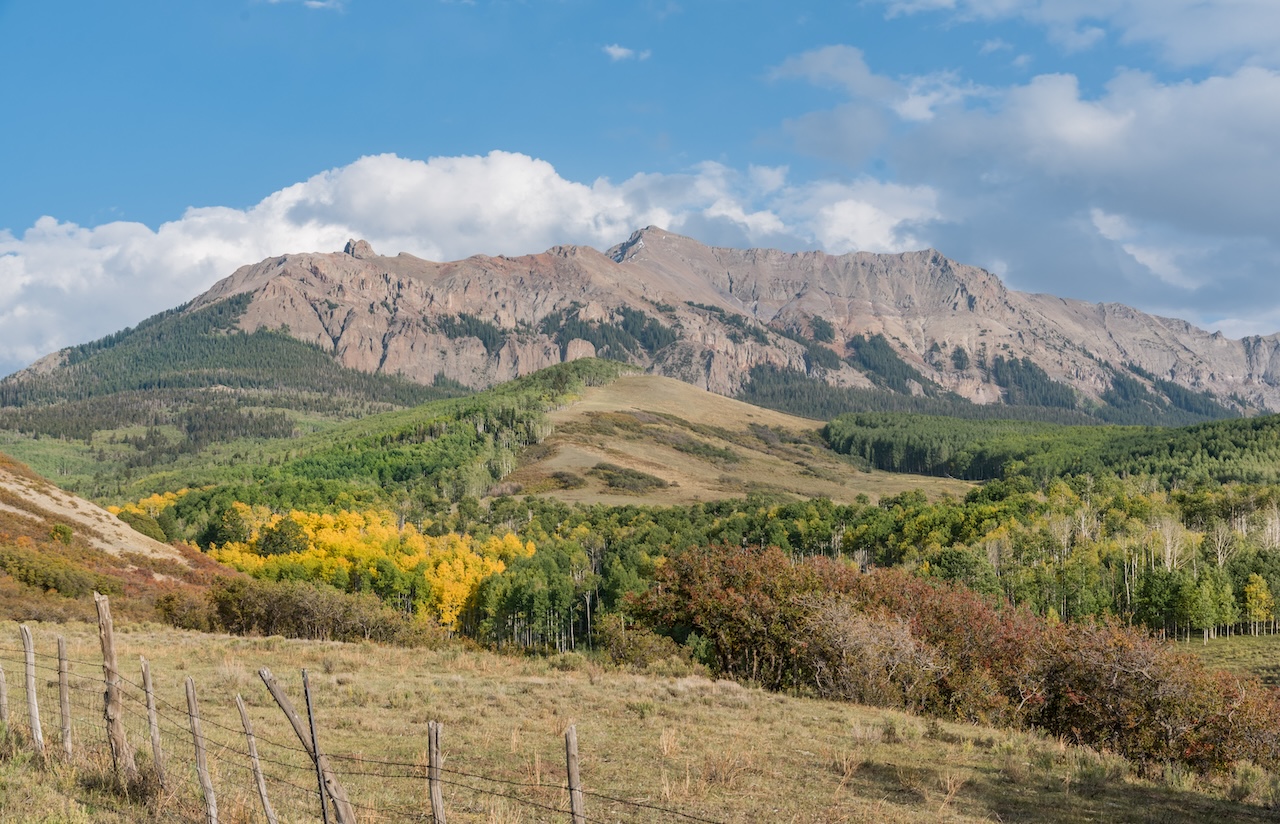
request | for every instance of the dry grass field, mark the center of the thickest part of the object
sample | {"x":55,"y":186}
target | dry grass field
{"x":702,"y":446}
{"x":701,"y":750}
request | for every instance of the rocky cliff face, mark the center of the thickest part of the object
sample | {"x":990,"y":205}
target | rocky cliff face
{"x":708,"y":315}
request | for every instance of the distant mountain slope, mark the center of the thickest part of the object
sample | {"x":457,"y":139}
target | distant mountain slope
{"x":911,"y":325}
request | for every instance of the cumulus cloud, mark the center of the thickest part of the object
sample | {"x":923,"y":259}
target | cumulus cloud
{"x":1186,"y":32}
{"x":62,"y":284}
{"x":1153,"y":192}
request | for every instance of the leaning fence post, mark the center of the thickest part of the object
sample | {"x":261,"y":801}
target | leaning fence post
{"x":346,"y":813}
{"x":202,"y":763}
{"x":121,"y":755}
{"x":156,"y":753}
{"x":33,"y":707}
{"x":64,"y":695}
{"x":575,"y":783}
{"x":433,"y":771}
{"x":253,"y":757}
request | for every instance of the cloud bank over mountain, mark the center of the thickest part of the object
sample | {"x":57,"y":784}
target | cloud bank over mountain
{"x":62,"y":284}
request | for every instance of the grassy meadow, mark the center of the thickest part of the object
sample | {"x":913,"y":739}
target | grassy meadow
{"x":701,"y":446}
{"x":1257,"y":655}
{"x":710,"y":750}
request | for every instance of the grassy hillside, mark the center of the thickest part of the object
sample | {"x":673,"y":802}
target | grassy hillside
{"x":695,"y":446}
{"x":710,"y":751}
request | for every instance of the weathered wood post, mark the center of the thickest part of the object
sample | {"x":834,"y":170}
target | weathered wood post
{"x":33,"y":706}
{"x":202,"y":763}
{"x":575,"y":782}
{"x":433,"y":771}
{"x":64,"y":695}
{"x":315,"y":748}
{"x":341,"y":803}
{"x":4,"y":701}
{"x":157,"y":754}
{"x":121,"y":755}
{"x":257,"y":765}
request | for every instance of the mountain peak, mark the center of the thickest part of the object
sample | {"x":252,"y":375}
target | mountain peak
{"x":359,"y":249}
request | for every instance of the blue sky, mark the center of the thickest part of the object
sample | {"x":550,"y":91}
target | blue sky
{"x":1107,"y":150}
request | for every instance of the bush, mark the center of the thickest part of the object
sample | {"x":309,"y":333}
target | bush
{"x":868,"y":658}
{"x":634,"y":646}
{"x":144,"y":523}
{"x":892,"y":639}
{"x":186,"y":610}
{"x":626,"y":480}
{"x":295,"y":609}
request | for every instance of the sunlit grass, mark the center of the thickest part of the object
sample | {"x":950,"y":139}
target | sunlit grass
{"x":714,"y":749}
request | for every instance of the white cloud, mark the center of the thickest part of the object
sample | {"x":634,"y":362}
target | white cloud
{"x":617,"y":53}
{"x":62,"y":284}
{"x":1159,"y":194}
{"x":1186,"y":32}
{"x":994,"y":45}
{"x":866,"y":215}
{"x":335,"y":5}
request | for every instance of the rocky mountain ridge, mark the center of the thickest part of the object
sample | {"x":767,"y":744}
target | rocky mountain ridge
{"x":708,"y":315}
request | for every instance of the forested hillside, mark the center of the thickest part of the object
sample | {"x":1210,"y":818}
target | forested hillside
{"x":177,"y":384}
{"x":1242,"y":450}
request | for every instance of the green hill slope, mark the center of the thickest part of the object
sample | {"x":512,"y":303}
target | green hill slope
{"x":177,"y":385}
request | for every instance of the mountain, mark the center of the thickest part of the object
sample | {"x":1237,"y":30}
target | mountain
{"x":934,"y":334}
{"x":709,"y":315}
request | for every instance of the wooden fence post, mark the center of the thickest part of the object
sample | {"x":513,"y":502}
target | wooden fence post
{"x":4,"y":701}
{"x":64,"y":695}
{"x":202,"y":763}
{"x":575,"y":782}
{"x":433,"y":771}
{"x":315,"y":748}
{"x":33,"y":707}
{"x":157,"y":754}
{"x":121,"y":755}
{"x":257,"y":766}
{"x":346,"y":813}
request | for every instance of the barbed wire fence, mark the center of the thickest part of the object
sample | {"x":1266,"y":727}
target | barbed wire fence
{"x":137,"y":749}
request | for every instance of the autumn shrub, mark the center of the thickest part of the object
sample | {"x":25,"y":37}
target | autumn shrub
{"x":626,"y":479}
{"x":186,"y":609}
{"x":635,"y":645}
{"x":892,"y":639}
{"x":296,"y":609}
{"x":41,"y":570}
{"x":868,"y":658}
{"x":1114,"y":688}
{"x":747,"y":604}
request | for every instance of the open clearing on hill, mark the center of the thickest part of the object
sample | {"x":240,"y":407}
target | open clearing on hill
{"x":678,"y":444}
{"x":711,"y":749}
{"x":1243,"y":654}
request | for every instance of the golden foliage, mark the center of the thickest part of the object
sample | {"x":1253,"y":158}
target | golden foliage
{"x":371,"y":551}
